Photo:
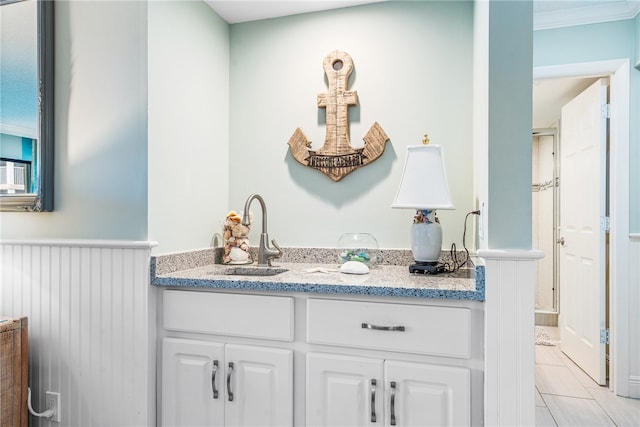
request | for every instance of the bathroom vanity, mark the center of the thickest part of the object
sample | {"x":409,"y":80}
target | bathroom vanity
{"x":311,"y":346}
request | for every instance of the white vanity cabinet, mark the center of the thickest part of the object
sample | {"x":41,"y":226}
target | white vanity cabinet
{"x":344,"y":390}
{"x":315,"y":360}
{"x":209,"y":382}
{"x":191,"y":372}
{"x":214,"y":384}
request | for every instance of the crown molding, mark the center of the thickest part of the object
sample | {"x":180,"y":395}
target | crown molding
{"x":588,"y":14}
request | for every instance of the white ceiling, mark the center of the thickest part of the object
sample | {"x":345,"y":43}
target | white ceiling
{"x":547,"y":13}
{"x":237,"y":11}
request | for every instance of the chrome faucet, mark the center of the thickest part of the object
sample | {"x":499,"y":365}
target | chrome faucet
{"x":265,"y":253}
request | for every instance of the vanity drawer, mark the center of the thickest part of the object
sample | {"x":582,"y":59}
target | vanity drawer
{"x":252,"y":316}
{"x":433,"y":330}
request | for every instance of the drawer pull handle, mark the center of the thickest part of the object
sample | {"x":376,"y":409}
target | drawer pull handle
{"x":382,"y":328}
{"x":229,"y":392}
{"x":393,"y":403}
{"x":373,"y":400}
{"x":214,"y":371}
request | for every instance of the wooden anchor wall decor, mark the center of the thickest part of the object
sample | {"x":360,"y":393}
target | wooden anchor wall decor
{"x":337,"y":158}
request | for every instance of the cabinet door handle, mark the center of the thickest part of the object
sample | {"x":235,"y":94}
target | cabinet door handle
{"x":393,"y":403}
{"x":382,"y":328}
{"x":229,"y":392}
{"x":373,"y":400}
{"x":214,"y":371}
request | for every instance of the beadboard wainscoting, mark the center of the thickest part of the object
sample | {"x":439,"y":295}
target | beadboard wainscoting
{"x":509,"y":389}
{"x":92,"y":326}
{"x":634,"y":317}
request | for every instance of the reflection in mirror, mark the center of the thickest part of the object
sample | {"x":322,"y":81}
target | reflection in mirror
{"x":26,"y":105}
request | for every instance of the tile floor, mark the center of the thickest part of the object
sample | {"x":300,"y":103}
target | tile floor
{"x":566,"y":396}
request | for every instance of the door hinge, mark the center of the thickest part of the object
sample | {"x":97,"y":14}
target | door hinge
{"x":604,"y":336}
{"x":605,"y":111}
{"x":605,"y":224}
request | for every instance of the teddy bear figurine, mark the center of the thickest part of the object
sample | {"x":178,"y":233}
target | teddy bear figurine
{"x":236,"y":239}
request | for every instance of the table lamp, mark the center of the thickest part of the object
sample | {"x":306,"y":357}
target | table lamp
{"x":424,"y":187}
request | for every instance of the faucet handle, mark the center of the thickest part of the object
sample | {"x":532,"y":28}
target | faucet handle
{"x":274,"y":243}
{"x":268,"y":253}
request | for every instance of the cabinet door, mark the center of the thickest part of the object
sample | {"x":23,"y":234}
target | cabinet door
{"x":259,"y":386}
{"x":427,"y":395}
{"x":343,"y":390}
{"x":191,"y":372}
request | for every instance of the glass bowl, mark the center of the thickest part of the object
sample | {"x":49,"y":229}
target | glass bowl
{"x":361,"y":247}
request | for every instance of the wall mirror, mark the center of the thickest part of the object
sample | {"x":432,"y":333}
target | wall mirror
{"x":26,"y":105}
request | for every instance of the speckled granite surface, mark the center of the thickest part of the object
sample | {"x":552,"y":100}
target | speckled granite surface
{"x":183,"y":261}
{"x":391,"y":278}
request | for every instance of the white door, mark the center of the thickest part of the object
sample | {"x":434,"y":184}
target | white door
{"x":582,"y":212}
{"x":191,"y":373}
{"x":344,"y":391}
{"x":424,"y":395}
{"x":259,"y":386}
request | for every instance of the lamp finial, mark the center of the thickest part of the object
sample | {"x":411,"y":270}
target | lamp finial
{"x":425,"y":139}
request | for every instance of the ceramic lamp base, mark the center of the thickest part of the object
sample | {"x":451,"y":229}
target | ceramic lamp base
{"x":426,"y":241}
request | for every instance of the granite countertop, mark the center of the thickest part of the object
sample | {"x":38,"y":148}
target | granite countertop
{"x":383,"y":280}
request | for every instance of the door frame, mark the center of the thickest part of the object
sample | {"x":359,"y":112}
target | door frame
{"x":619,"y":73}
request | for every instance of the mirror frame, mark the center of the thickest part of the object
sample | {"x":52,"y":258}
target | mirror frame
{"x":42,"y":199}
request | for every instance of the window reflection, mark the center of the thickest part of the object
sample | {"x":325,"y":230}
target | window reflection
{"x":15,"y":177}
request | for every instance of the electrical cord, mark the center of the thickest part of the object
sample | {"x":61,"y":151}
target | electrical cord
{"x":455,"y":265}
{"x":46,"y":414}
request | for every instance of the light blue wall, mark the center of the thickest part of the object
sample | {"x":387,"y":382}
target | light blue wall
{"x":609,"y":40}
{"x":634,"y":161}
{"x":637,"y":23}
{"x":413,"y":74}
{"x":188,"y":74}
{"x":140,"y":153}
{"x":509,"y":128}
{"x":598,"y":42}
{"x":100,"y":126}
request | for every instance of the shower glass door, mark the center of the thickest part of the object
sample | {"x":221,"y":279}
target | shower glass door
{"x":545,"y":208}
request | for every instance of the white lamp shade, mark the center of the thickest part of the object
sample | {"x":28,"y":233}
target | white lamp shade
{"x":424,"y":181}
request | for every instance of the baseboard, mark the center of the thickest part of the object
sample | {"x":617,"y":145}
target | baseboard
{"x":634,"y":387}
{"x":546,"y":319}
